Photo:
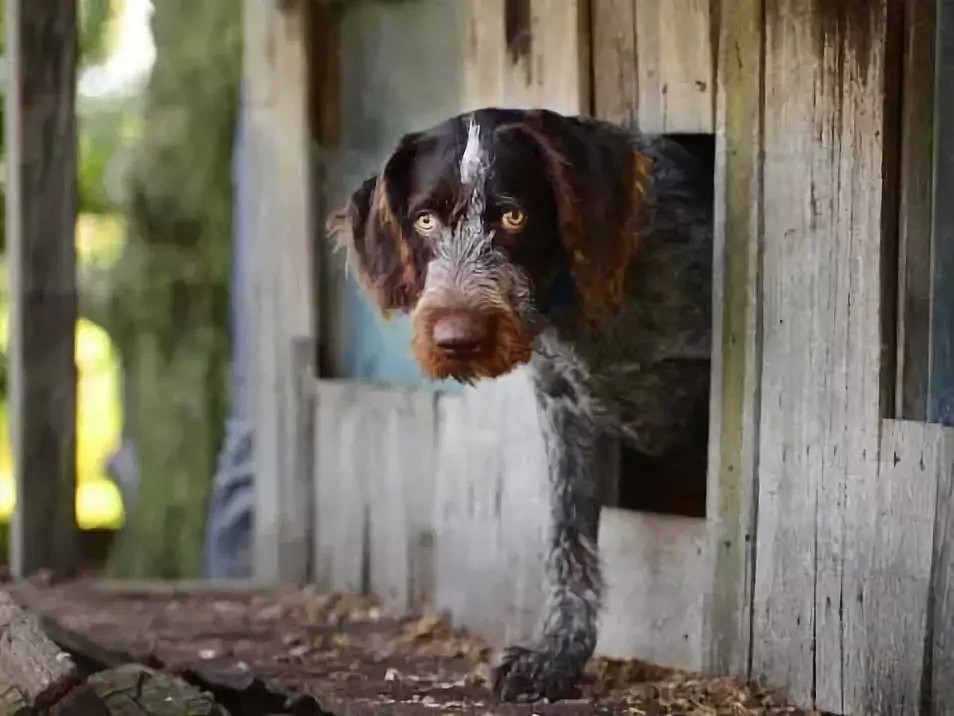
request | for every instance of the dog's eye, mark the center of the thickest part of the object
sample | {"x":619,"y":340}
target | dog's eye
{"x":513,"y":220}
{"x":426,"y":222}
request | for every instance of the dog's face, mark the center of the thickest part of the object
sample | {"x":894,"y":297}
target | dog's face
{"x":482,"y":226}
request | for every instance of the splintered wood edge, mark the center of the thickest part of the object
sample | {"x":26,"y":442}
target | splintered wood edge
{"x":30,"y":663}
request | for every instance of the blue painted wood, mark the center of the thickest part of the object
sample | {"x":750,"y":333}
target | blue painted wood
{"x":941,"y":367}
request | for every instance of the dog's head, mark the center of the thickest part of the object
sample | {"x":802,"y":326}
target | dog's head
{"x":483,"y":225}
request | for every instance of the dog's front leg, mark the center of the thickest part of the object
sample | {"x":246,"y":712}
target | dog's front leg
{"x":552,"y":668}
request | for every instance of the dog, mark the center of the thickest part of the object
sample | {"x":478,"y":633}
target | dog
{"x":578,"y":248}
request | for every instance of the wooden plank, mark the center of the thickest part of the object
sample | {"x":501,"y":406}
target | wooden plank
{"x":615,"y":81}
{"x":340,"y":513}
{"x":41,"y":217}
{"x":526,"y":53}
{"x":653,"y":608}
{"x":492,"y":509}
{"x":940,"y":687}
{"x":39,"y":669}
{"x":675,"y":66}
{"x":940,"y":402}
{"x":821,"y":388}
{"x":276,"y":108}
{"x":374,"y":487}
{"x":916,"y":210}
{"x":737,"y":337}
{"x":897,"y":567}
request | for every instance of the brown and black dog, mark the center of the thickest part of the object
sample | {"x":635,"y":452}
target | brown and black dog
{"x":582,"y":249}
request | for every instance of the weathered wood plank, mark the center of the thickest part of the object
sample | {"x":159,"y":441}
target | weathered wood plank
{"x":492,"y":509}
{"x":615,"y":80}
{"x":737,"y":336}
{"x":821,"y":390}
{"x":374,"y":492}
{"x":527,"y":53}
{"x":41,"y":216}
{"x":38,"y":668}
{"x":940,"y":401}
{"x":276,"y":108}
{"x":675,"y":65}
{"x":915,"y":209}
{"x":940,"y":694}
{"x":897,"y":566}
{"x":653,"y":608}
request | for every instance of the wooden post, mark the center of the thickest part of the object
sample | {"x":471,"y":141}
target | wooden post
{"x":737,"y":341}
{"x":278,"y":177}
{"x":41,"y":216}
{"x":940,"y":401}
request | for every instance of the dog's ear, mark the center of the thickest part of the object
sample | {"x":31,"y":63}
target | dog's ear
{"x":600,"y":184}
{"x":388,"y":258}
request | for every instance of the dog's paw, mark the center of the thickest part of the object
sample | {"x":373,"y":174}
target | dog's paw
{"x":525,"y":675}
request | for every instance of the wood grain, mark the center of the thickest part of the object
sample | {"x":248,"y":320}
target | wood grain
{"x":615,"y":63}
{"x":937,"y":682}
{"x":374,"y":487}
{"x":38,"y":669}
{"x":916,"y":210}
{"x":675,"y":67}
{"x":821,"y":386}
{"x":895,"y":593}
{"x":41,"y":217}
{"x":737,"y":336}
{"x":940,"y":400}
{"x":278,"y":174}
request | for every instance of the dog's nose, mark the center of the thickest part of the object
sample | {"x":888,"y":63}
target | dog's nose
{"x":461,"y":332}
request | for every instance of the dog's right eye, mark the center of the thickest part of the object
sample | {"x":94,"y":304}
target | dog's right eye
{"x":426,"y":223}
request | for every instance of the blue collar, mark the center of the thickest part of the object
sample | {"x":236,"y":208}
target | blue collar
{"x":561,"y":295}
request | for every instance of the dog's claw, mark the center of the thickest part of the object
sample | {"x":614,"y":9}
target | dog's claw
{"x":525,"y":675}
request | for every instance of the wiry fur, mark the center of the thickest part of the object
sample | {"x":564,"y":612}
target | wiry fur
{"x":631,"y":224}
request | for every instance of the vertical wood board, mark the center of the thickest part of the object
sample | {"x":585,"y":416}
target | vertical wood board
{"x":275,"y":88}
{"x":674,"y":61}
{"x":737,"y":336}
{"x":894,"y":596}
{"x":940,"y":400}
{"x":653,"y":64}
{"x":940,"y":686}
{"x":374,"y":491}
{"x":492,"y":509}
{"x":820,"y":406}
{"x":41,"y":217}
{"x":915,"y":209}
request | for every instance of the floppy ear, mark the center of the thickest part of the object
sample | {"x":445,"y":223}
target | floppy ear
{"x":389,"y":260}
{"x":600,"y":183}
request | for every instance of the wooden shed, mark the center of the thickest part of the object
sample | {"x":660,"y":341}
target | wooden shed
{"x":823,"y":556}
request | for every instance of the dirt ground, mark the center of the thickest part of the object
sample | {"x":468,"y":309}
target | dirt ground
{"x":253,"y":644}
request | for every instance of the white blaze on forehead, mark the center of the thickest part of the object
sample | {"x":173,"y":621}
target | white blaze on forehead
{"x":470,"y":160}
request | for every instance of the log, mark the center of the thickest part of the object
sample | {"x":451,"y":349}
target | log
{"x":30,"y":663}
{"x":135,"y":690}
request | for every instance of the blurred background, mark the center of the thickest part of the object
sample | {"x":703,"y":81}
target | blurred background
{"x":155,"y":112}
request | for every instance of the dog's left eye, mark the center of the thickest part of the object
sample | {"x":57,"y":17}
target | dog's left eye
{"x":426,"y":222}
{"x":513,"y":220}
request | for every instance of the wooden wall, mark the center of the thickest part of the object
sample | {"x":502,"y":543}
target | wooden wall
{"x":824,"y":562}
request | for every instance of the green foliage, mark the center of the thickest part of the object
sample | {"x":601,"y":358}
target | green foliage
{"x":102,"y":124}
{"x":170,"y":303}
